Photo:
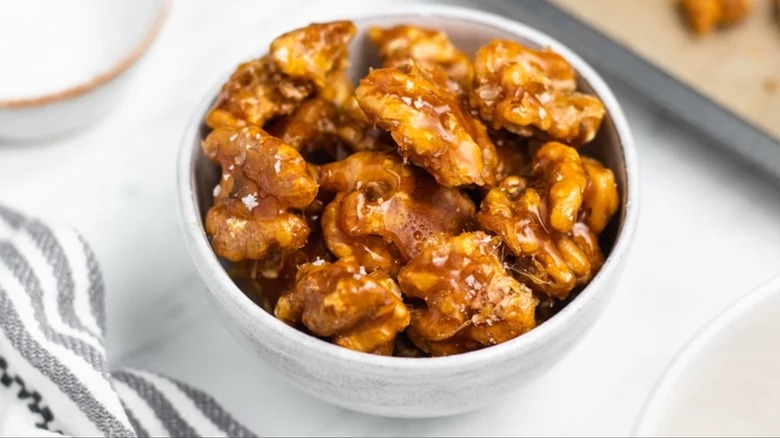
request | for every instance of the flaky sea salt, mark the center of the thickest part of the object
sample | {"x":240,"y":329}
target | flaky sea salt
{"x":250,"y":201}
{"x":407,"y":100}
{"x":442,"y":109}
{"x":544,"y":97}
{"x":217,"y":190}
{"x":282,"y":54}
{"x":439,"y":260}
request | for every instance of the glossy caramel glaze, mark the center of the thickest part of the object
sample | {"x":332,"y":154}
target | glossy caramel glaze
{"x":298,"y":63}
{"x":429,"y":124}
{"x":341,"y":301}
{"x":381,"y":196}
{"x":263,"y":181}
{"x":400,"y":45}
{"x":531,"y":92}
{"x":440,"y":207}
{"x":470,"y":299}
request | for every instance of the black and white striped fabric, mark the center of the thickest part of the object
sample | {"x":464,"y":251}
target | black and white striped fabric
{"x":54,"y":377}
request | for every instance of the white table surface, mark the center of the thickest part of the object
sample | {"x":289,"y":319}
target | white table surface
{"x":709,"y":231}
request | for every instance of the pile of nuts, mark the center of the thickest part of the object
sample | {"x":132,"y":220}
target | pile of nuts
{"x":439,"y":207}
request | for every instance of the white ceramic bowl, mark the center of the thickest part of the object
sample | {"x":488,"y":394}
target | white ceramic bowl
{"x":124,"y":30}
{"x":406,"y":387}
{"x":725,"y":381}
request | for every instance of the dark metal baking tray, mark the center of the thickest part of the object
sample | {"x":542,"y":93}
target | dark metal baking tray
{"x":683,"y":104}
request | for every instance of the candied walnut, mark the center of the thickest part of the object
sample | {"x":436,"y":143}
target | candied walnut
{"x":513,"y":155}
{"x":357,"y":132}
{"x":471,"y":301}
{"x":263,"y":180}
{"x":552,"y":262}
{"x":297,"y":63}
{"x":493,"y":58}
{"x":255,"y":93}
{"x":340,"y":301}
{"x":561,"y":169}
{"x":429,"y":125}
{"x":264,"y":281}
{"x":600,"y":199}
{"x":381,"y":196}
{"x":313,"y":52}
{"x":703,"y":16}
{"x":370,"y":250}
{"x":359,"y":135}
{"x":531,"y":92}
{"x":311,"y":127}
{"x":318,"y":124}
{"x":338,"y":88}
{"x":425,"y":47}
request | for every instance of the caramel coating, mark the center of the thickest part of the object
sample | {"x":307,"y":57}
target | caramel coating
{"x":357,"y":310}
{"x":559,"y":166}
{"x":311,"y":127}
{"x":371,"y":251}
{"x":381,"y":196}
{"x":313,"y":52}
{"x":703,"y":16}
{"x":528,"y":91}
{"x":600,"y":199}
{"x":551,"y":262}
{"x":318,"y":124}
{"x":513,"y":155}
{"x":425,"y":47}
{"x":265,"y":280}
{"x":471,"y":301}
{"x":263,"y":180}
{"x":255,"y":93}
{"x":338,"y":88}
{"x":298,"y":62}
{"x":350,"y":212}
{"x":429,"y":125}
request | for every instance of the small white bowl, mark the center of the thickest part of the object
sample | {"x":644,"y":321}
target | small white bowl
{"x":126,"y":30}
{"x":404,"y":387}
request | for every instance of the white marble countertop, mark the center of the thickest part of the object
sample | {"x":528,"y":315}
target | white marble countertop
{"x":709,"y":231}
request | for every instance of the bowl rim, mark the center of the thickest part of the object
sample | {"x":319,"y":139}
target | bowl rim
{"x":119,"y":67}
{"x":200,"y":247}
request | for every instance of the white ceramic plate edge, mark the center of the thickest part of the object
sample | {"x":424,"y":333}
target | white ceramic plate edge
{"x":651,"y":414}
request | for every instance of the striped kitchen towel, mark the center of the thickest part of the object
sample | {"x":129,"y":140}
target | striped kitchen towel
{"x":54,"y":377}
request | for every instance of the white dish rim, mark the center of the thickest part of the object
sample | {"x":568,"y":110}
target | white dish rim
{"x":122,"y":65}
{"x":652,"y":412}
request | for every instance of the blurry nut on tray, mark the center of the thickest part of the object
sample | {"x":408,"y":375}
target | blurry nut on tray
{"x":704,"y":16}
{"x":432,"y":210}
